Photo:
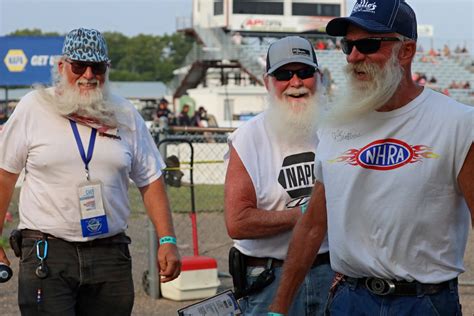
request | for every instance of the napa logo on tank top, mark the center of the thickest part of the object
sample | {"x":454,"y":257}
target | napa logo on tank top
{"x":296,"y":176}
{"x":385,"y":154}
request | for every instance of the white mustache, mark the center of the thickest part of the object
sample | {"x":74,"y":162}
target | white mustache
{"x":291,"y":91}
{"x":85,"y":81}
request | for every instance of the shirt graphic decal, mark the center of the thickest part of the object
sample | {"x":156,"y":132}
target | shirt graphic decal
{"x":296,"y":176}
{"x":385,"y":154}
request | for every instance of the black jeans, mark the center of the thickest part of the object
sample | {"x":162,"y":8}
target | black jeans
{"x":83,"y":279}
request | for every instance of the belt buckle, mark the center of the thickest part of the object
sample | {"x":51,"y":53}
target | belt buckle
{"x":380,"y":286}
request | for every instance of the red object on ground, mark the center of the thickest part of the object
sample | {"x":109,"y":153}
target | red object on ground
{"x":190,"y":263}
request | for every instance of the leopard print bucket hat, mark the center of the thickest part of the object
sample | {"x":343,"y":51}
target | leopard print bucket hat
{"x":85,"y":45}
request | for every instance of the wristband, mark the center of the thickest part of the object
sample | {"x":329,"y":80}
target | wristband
{"x":303,"y":208}
{"x":275,"y":314}
{"x":168,"y":240}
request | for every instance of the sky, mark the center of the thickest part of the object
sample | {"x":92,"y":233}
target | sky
{"x":453,"y":20}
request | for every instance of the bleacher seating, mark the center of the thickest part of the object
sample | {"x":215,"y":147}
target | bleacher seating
{"x":444,"y":69}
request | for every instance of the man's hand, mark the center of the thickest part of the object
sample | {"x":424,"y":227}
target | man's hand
{"x":169,"y":262}
{"x":3,"y":257}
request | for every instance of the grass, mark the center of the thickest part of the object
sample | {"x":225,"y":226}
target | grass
{"x":207,"y":197}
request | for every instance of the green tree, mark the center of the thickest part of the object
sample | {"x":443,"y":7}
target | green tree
{"x":138,"y":58}
{"x":33,"y":32}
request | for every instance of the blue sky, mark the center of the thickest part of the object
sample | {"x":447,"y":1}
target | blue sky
{"x":452,"y":20}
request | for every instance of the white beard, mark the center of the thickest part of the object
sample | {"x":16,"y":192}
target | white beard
{"x":363,"y":97}
{"x":93,"y":104}
{"x":294,"y":122}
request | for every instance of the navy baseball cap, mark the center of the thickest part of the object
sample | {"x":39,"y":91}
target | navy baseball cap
{"x":378,"y":16}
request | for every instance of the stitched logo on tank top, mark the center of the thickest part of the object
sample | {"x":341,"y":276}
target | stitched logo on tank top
{"x":297,"y":177}
{"x":385,"y":154}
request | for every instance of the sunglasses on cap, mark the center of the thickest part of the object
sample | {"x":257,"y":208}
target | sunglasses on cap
{"x":80,"y":67}
{"x":286,"y":74}
{"x":366,"y":45}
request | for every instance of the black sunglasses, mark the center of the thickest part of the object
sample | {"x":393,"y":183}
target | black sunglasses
{"x":80,"y":67}
{"x":286,"y":74}
{"x":366,"y":45}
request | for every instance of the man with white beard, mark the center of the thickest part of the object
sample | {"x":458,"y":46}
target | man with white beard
{"x":79,"y":145}
{"x":394,"y":179}
{"x":269,"y":179}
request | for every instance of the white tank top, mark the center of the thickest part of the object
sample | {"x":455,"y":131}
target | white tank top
{"x":282,"y":176}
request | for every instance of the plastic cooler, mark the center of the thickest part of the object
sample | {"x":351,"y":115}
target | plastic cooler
{"x":198,"y":279}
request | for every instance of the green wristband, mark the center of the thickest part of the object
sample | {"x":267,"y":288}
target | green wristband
{"x":275,"y":314}
{"x":303,"y":208}
{"x":168,"y":240}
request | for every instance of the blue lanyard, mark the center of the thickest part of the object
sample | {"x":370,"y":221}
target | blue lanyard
{"x":90,"y":150}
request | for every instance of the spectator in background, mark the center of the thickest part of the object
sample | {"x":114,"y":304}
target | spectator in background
{"x":183,"y":118}
{"x":453,"y":85}
{"x":200,"y":118}
{"x":446,"y":51}
{"x":237,"y":38}
{"x":320,"y":45}
{"x":164,"y":113}
{"x":433,"y":79}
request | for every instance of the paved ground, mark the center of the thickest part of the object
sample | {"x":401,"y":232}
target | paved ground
{"x":214,"y":243}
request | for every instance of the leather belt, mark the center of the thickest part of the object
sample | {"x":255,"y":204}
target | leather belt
{"x":401,"y":288}
{"x":320,"y":259}
{"x":120,"y":238}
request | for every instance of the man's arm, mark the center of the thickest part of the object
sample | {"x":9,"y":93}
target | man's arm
{"x":243,"y":219}
{"x":466,"y":181}
{"x":306,"y":239}
{"x":158,"y":209}
{"x":7,"y":186}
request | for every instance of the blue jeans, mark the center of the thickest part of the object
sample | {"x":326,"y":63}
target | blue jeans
{"x":83,"y":279}
{"x":310,"y":299}
{"x":354,"y":300}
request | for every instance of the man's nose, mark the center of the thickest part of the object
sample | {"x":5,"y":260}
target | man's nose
{"x":355,"y":56}
{"x":88,"y":74}
{"x":296,"y":81}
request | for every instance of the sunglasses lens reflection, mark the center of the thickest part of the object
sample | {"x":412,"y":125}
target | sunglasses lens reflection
{"x":285,"y":74}
{"x":79,"y":68}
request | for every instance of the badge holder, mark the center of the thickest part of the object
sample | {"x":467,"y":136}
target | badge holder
{"x":93,"y":218}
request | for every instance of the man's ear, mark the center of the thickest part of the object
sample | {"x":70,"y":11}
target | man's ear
{"x":407,"y":52}
{"x":60,"y":66}
{"x":266,"y":81}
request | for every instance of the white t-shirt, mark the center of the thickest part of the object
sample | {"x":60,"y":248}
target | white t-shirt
{"x":282,"y":176}
{"x":41,"y":141}
{"x":394,"y":206}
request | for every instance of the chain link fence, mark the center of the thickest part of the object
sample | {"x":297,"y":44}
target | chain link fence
{"x":195,"y":177}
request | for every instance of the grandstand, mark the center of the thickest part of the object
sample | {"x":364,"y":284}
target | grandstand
{"x":230,"y":50}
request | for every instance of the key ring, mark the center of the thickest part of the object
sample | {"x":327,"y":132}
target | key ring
{"x":45,"y":249}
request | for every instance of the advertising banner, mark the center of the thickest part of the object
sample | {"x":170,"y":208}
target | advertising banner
{"x":25,"y":60}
